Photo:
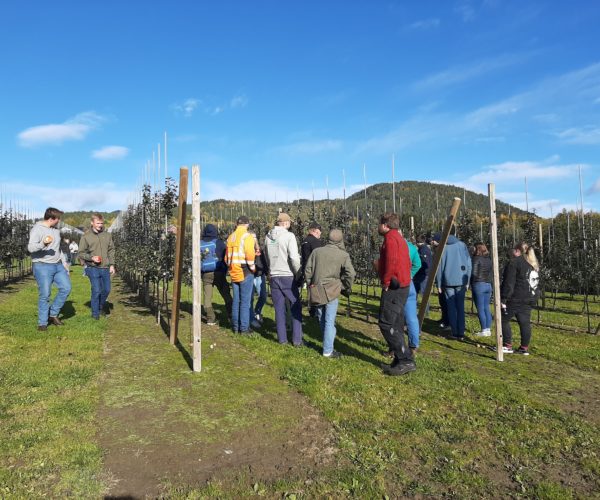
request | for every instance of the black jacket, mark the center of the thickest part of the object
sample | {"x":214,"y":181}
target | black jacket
{"x":309,"y":244}
{"x":515,"y":285}
{"x":482,"y":269}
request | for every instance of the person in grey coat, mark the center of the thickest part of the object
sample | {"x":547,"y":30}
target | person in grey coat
{"x":330,"y":269}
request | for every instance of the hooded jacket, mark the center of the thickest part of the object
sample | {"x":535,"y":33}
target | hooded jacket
{"x":330,"y":263}
{"x":455,"y":265}
{"x":515,"y":287}
{"x":210,"y":233}
{"x":281,"y":252}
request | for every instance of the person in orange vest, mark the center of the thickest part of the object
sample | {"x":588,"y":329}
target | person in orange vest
{"x":239,"y":257}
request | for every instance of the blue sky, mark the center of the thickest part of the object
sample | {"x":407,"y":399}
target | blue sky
{"x":270,"y":97}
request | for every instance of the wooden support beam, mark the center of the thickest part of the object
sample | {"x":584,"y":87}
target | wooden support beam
{"x":437,"y":257}
{"x":179,"y":242}
{"x":196,"y":270}
{"x":496,"y":270}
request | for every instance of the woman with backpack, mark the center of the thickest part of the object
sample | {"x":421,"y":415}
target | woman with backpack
{"x":481,"y":285}
{"x":518,"y":293}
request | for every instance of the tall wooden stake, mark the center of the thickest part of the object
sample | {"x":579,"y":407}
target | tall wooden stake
{"x":196,"y":275}
{"x":437,"y":258}
{"x":183,"y":189}
{"x":496,"y":284}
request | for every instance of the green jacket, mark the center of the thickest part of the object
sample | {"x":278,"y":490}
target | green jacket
{"x":330,"y":263}
{"x":101,"y":244}
{"x":415,"y":258}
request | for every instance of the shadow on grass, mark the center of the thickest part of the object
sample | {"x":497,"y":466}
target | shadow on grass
{"x":68,"y":311}
{"x":136,"y":305}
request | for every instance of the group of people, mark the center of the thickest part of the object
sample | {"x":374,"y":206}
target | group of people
{"x":323,"y":267}
{"x":51,"y":265}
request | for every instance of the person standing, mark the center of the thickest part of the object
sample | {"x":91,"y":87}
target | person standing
{"x":393,"y":267}
{"x":421,"y":278}
{"x":452,"y":280}
{"x":240,"y":256}
{"x":73,"y":249}
{"x":97,"y":250}
{"x":49,"y":267}
{"x":481,"y":286}
{"x":260,"y":286}
{"x":411,"y":318}
{"x":329,"y":269}
{"x":311,"y":242}
{"x":518,"y":294}
{"x":283,"y":259}
{"x":213,"y":271}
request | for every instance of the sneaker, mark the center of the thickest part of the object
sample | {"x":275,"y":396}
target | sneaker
{"x":211,"y":323}
{"x":460,"y":339}
{"x":333,"y":355}
{"x":507,"y":349}
{"x":483,"y":333}
{"x":524,"y":351}
{"x":399,"y":369}
{"x":258,"y":317}
{"x":445,"y":327}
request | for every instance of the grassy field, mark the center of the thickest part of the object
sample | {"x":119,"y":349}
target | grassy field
{"x":462,"y":425}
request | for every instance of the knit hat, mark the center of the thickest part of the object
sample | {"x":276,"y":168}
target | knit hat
{"x":242,"y":219}
{"x":335,"y":236}
{"x":437,"y":237}
{"x":283,"y":217}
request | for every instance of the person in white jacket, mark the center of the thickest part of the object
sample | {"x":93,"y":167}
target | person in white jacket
{"x":281,"y":251}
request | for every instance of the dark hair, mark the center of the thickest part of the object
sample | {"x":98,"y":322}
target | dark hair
{"x":52,"y":213}
{"x":481,"y":249}
{"x":421,"y":238}
{"x":390,"y":219}
{"x":242,"y":219}
{"x":314,"y":225}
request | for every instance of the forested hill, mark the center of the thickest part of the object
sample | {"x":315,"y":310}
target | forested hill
{"x":82,"y":219}
{"x":417,"y":197}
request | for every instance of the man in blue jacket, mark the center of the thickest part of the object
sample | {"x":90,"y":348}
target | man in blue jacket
{"x":452,"y":279}
{"x":213,"y":271}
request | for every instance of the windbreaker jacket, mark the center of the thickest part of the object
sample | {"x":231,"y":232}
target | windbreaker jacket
{"x":92,"y":243}
{"x":455,"y":265}
{"x":281,"y":251}
{"x":240,"y":254}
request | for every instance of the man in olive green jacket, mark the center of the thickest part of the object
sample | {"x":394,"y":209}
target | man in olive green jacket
{"x":96,"y":249}
{"x":330,"y":269}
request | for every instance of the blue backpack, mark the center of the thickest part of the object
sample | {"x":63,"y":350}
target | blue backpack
{"x":208,"y":254}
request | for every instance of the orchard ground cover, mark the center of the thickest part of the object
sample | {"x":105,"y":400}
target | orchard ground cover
{"x":110,"y":408}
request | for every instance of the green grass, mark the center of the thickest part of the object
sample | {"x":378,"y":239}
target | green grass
{"x":49,"y":398}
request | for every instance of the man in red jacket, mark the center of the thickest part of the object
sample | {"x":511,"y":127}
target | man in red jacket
{"x":394,"y":271}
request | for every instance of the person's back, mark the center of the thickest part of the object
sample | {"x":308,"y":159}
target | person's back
{"x":455,"y":264}
{"x":213,"y":271}
{"x":281,"y":252}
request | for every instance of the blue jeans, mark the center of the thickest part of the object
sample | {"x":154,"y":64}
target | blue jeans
{"x":100,"y":281}
{"x":260,"y":285}
{"x":420,"y":287}
{"x":455,"y":303}
{"x":482,"y":292}
{"x":242,"y":296}
{"x":46,"y":275}
{"x":326,"y":316}
{"x":411,"y":318}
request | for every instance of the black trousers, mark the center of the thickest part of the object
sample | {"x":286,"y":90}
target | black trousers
{"x":391,"y":322}
{"x":523,"y":314}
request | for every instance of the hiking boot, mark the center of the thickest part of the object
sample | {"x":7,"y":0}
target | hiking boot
{"x":42,"y":328}
{"x":524,"y":351}
{"x":400,"y":368}
{"x":333,"y":355}
{"x":55,"y":321}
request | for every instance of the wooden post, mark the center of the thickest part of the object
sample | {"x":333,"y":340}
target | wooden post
{"x":437,"y":258}
{"x":183,"y":189}
{"x":196,"y":268}
{"x":494,"y":240}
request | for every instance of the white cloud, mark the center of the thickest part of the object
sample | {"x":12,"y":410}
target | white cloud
{"x":238,"y":101}
{"x":595,"y":187}
{"x":73,"y":129}
{"x":103,"y":197}
{"x":310,"y":147}
{"x":186,"y":107}
{"x":424,"y":24}
{"x":465,"y":10}
{"x":580,"y":135}
{"x":270,"y":190}
{"x":110,"y":153}
{"x":512,"y":171}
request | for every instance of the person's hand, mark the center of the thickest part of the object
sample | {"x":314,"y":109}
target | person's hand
{"x":112,"y":269}
{"x":346,"y":292}
{"x":47,"y":240}
{"x":97,"y":259}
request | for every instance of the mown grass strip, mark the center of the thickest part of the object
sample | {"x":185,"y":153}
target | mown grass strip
{"x":49,"y":398}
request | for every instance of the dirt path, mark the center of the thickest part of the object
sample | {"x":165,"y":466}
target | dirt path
{"x":162,"y":426}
